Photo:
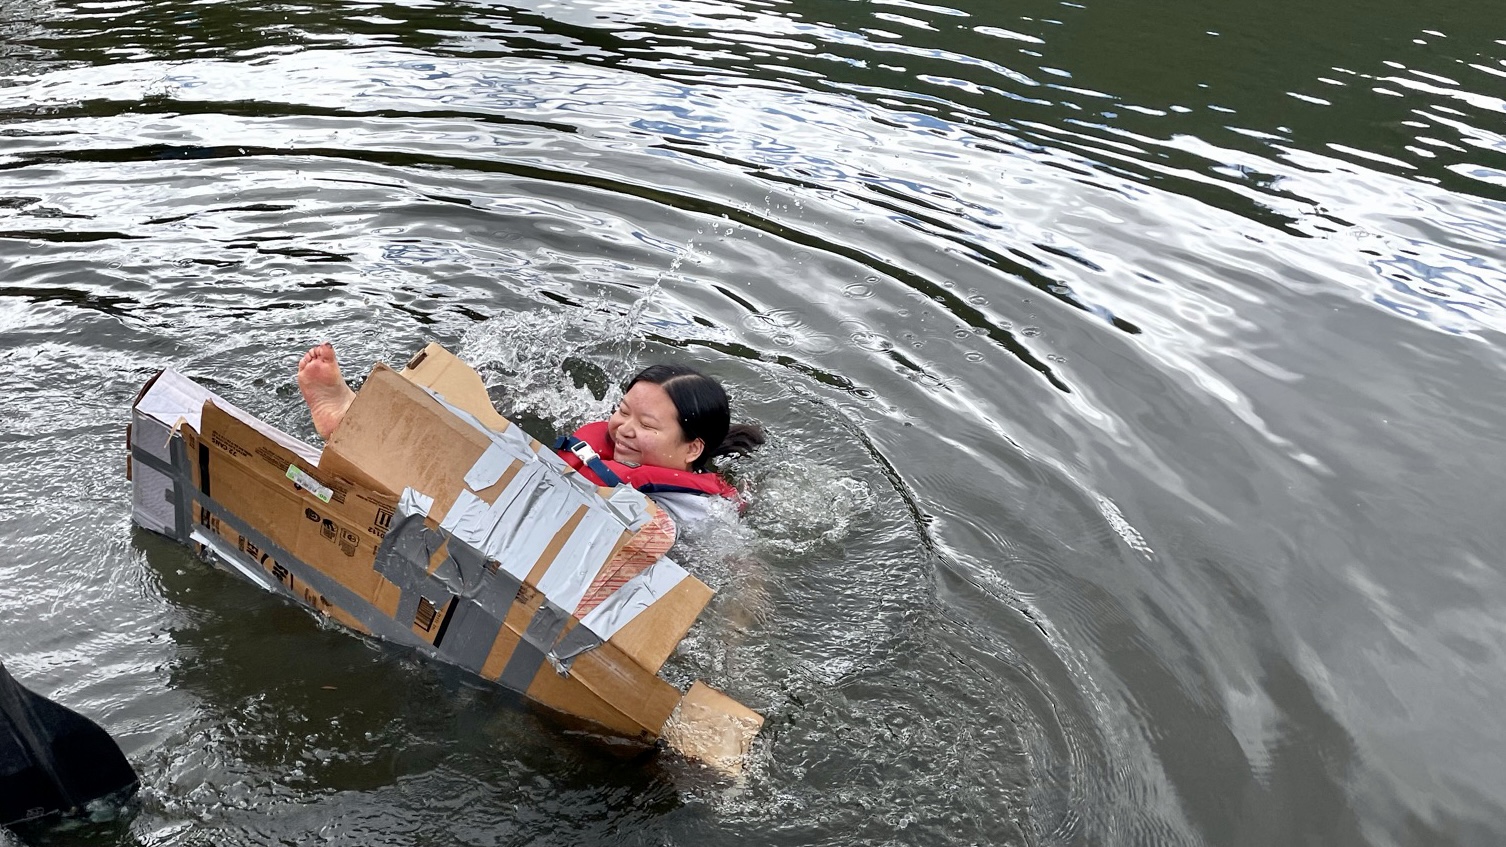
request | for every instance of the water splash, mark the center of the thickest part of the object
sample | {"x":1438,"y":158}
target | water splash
{"x":561,"y":367}
{"x":799,"y":505}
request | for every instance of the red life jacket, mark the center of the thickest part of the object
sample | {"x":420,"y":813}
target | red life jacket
{"x":646,"y":478}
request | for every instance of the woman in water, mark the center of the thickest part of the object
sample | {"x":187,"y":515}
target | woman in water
{"x":671,"y":423}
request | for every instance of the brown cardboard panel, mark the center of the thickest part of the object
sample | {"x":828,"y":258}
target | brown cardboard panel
{"x":371,"y":510}
{"x":548,"y":687}
{"x":650,"y":638}
{"x":569,"y":695}
{"x":713,"y":728}
{"x":502,"y":649}
{"x":628,"y":686}
{"x":437,"y":368}
{"x":317,"y":538}
{"x":246,"y":473}
{"x":401,"y":437}
{"x":386,"y":599}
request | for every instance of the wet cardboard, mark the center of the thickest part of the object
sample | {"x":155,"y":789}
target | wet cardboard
{"x":319,"y":542}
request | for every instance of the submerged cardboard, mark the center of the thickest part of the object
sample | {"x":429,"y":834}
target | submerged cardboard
{"x":432,"y":521}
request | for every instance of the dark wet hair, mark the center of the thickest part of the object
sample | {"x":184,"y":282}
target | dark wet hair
{"x":704,"y":410}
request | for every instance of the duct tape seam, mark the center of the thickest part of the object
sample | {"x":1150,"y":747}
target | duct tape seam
{"x":631,"y":506}
{"x":515,"y":530}
{"x":175,"y":493}
{"x":572,"y":644}
{"x":412,"y":502}
{"x":530,"y":654}
{"x":635,"y":595}
{"x":582,"y":557}
{"x":479,"y":597}
{"x":626,"y":502}
{"x":403,"y":558}
{"x":489,"y":467}
{"x":470,"y":574}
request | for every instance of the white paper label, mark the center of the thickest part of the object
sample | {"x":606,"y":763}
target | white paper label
{"x":309,"y":484}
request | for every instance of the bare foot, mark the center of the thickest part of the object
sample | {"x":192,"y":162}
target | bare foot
{"x":323,"y":389}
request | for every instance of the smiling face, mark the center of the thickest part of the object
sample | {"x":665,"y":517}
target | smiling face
{"x":645,"y":430}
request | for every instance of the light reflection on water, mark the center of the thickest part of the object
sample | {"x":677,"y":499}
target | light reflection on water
{"x":1133,"y":390}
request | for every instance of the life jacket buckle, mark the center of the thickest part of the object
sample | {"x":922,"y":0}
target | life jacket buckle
{"x":583,"y":451}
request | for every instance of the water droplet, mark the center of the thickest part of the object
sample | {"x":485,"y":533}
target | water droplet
{"x":1030,"y":331}
{"x":973,"y":356}
{"x":114,"y":266}
{"x":961,"y":332}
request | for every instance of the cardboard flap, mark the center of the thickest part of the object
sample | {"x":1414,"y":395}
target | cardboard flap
{"x":438,"y":369}
{"x":252,"y":444}
{"x":395,"y":436}
{"x":711,"y":727}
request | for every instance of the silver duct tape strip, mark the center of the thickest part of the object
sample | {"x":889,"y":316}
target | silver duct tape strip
{"x":516,"y":529}
{"x":581,"y":558}
{"x":484,"y":594}
{"x":413,"y":502}
{"x":173,"y":521}
{"x":635,"y":595}
{"x":490,"y":466}
{"x":533,"y":647}
{"x":479,"y":594}
{"x":471,"y":575}
{"x":468,"y":634}
{"x":571,"y":645}
{"x":630,"y":505}
{"x":403,"y":558}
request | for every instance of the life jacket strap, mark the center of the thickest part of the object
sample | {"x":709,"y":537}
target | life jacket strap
{"x":588,"y":457}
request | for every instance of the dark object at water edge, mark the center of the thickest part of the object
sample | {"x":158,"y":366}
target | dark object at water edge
{"x":52,"y":759}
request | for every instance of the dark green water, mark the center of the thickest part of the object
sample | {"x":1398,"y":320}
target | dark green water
{"x":1134,"y":370}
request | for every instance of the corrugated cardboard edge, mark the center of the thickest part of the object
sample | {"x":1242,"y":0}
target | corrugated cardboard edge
{"x":458,"y":383}
{"x":712,"y":728}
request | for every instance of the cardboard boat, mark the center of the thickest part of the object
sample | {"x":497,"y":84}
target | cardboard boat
{"x":431,"y":521}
